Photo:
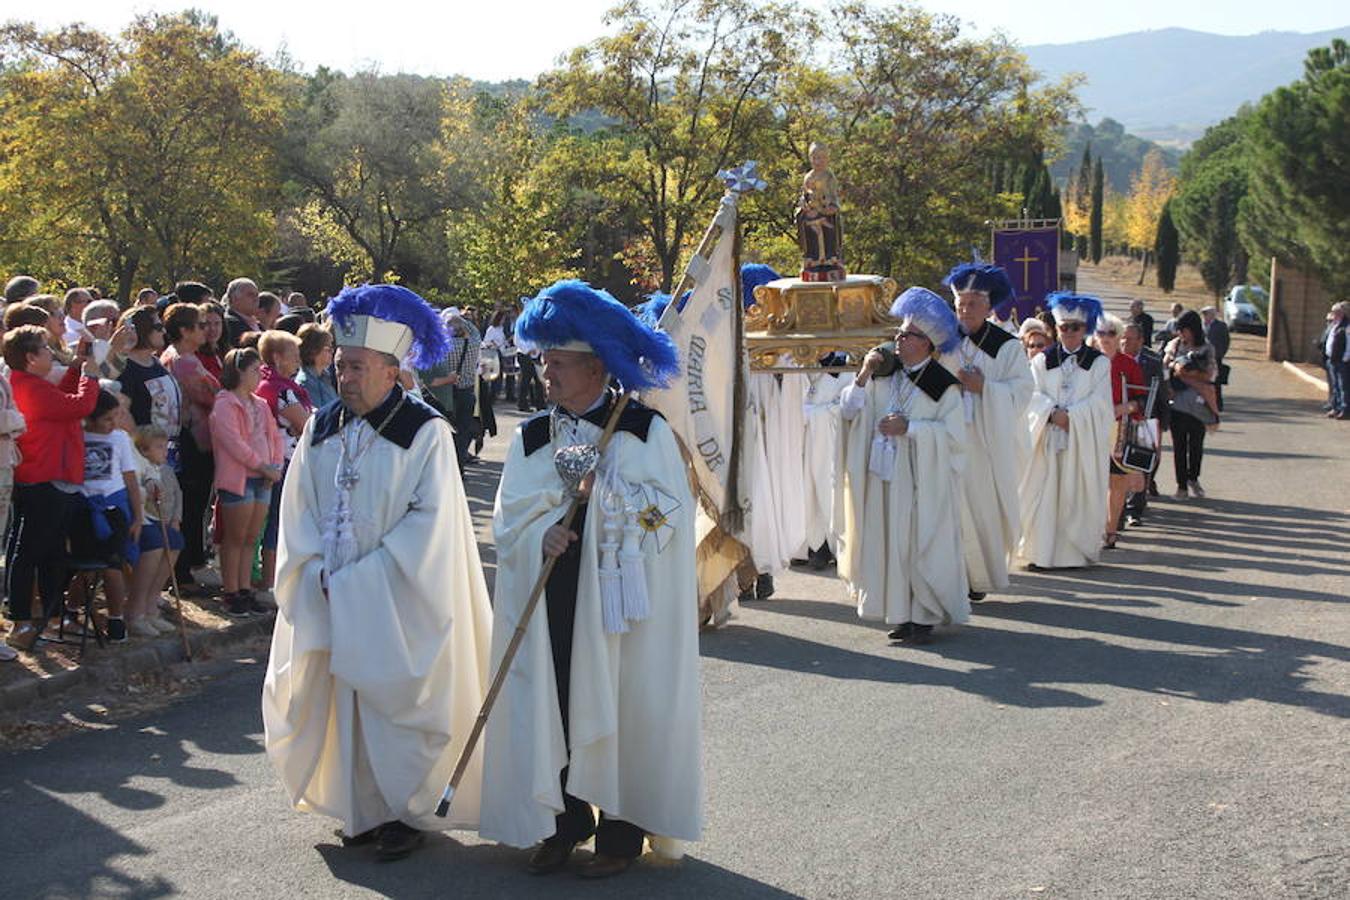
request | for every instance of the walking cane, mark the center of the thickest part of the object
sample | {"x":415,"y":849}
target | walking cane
{"x":177,"y":594}
{"x":443,"y":808}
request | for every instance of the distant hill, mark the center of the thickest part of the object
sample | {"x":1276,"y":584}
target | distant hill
{"x":1122,"y":154}
{"x":1172,"y":84}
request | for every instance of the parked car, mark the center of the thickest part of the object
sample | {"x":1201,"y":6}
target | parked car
{"x":1244,"y":308}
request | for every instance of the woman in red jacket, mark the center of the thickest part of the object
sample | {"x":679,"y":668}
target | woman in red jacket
{"x":47,"y":478}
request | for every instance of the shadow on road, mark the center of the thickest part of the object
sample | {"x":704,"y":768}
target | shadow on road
{"x":447,"y":867}
{"x":122,"y":765}
{"x":1018,"y":668}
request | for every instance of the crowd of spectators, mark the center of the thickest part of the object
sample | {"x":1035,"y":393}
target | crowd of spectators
{"x":145,"y":443}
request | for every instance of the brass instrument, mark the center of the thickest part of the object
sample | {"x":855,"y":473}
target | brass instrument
{"x":805,"y":320}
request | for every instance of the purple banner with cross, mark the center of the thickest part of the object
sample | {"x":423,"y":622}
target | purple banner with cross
{"x":1031,"y":258}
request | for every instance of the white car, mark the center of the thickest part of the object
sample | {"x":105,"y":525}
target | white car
{"x":1242,"y":308}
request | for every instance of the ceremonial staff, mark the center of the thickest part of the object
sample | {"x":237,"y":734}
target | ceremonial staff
{"x":573,"y":464}
{"x":173,"y":579}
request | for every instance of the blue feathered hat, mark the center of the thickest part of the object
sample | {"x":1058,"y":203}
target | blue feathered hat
{"x":572,"y":315}
{"x":984,"y":278}
{"x":1069,"y":307}
{"x":752,"y":276}
{"x":653,"y":308}
{"x":931,"y":315}
{"x":391,"y":319}
{"x":650,"y":311}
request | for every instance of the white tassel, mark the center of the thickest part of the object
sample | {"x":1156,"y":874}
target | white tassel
{"x":611,"y":581}
{"x":636,"y":604}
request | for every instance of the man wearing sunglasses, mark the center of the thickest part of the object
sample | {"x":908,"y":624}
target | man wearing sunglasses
{"x":1063,"y":492}
{"x":897,"y":508}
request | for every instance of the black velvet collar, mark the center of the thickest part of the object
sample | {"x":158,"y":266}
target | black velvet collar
{"x":635,"y":419}
{"x":401,"y":430}
{"x":990,"y":338}
{"x":933,"y":379}
{"x":1056,"y":355}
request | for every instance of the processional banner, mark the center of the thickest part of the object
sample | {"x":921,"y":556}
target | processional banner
{"x":1030,"y":256}
{"x":701,"y":406}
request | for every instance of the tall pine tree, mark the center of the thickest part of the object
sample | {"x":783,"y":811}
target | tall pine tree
{"x":1098,"y":204}
{"x":1167,"y":250}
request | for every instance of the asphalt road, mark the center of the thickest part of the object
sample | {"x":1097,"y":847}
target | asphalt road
{"x":1170,"y":724}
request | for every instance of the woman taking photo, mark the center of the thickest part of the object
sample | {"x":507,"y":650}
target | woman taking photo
{"x":1189,"y":362}
{"x":1127,"y":394}
{"x":248,"y":455}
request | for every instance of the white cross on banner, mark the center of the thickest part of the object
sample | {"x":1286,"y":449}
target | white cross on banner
{"x":701,"y":406}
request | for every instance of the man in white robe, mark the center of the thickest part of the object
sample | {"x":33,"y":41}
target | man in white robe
{"x":820,"y":445}
{"x":776,"y":521}
{"x":1070,"y":419}
{"x":996,"y":386}
{"x":602,"y":706}
{"x":379,"y":654}
{"x":897,"y":495}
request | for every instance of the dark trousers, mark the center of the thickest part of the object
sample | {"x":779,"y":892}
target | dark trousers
{"x":36,"y":552}
{"x":466,"y":425}
{"x":1188,"y":447}
{"x":529,"y":392}
{"x":576,"y":823}
{"x":1339,"y":375}
{"x":196,"y":477}
{"x":487,"y":417}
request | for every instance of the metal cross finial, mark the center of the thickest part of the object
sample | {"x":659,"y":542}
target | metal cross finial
{"x":743,"y":178}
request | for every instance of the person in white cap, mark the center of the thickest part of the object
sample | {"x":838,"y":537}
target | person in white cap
{"x":379,"y":656}
{"x":897,"y":503}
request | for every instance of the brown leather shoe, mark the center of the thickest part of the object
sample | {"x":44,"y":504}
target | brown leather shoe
{"x":602,"y":866}
{"x":549,"y":857}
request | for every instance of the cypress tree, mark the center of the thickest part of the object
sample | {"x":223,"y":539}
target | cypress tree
{"x":1167,"y":250}
{"x":1095,"y":222}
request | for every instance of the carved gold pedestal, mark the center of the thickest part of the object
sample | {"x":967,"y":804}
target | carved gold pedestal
{"x":804,"y":320}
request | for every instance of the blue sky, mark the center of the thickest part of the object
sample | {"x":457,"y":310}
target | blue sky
{"x":500,"y":39}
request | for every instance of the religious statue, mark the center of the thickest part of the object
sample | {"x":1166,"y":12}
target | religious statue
{"x":817,"y":219}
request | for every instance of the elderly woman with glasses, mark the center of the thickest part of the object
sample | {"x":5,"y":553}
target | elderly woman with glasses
{"x":1035,"y":337}
{"x":1127,"y":399}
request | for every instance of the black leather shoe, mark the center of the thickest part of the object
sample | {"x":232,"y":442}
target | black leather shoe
{"x":602,"y":866}
{"x":922,"y":634}
{"x":358,"y":840}
{"x":764,"y":587}
{"x":396,"y":841}
{"x":901,"y":632}
{"x":977,"y":596}
{"x":549,"y":857}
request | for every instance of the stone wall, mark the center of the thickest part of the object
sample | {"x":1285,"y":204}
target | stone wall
{"x":1298,"y":312}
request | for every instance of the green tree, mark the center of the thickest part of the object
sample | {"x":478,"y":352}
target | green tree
{"x":382,"y":160}
{"x":685,"y":89}
{"x":521,"y":237}
{"x":918,"y":109}
{"x":1167,"y":250}
{"x":1298,"y":183}
{"x":1098,"y":208}
{"x":1211,"y":185}
{"x":145,"y":156}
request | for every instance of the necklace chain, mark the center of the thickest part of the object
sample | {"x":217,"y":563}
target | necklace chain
{"x":347,"y":472}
